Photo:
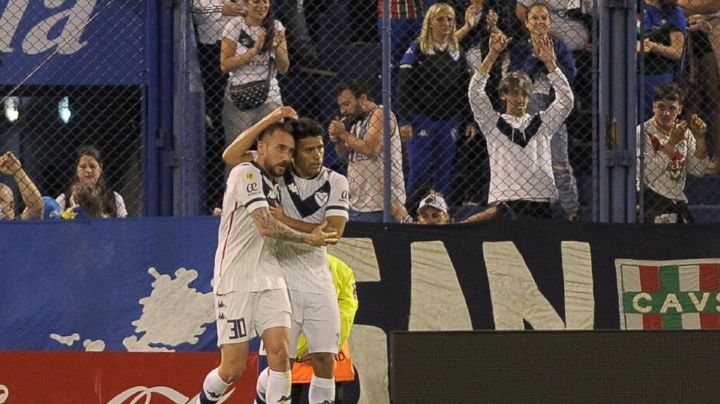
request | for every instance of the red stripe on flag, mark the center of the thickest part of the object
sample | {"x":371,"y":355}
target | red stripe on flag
{"x":710,"y":321}
{"x":649,"y":280}
{"x":652,"y":322}
{"x":708,"y":277}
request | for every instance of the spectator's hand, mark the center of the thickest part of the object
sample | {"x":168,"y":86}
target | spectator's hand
{"x":492,"y":20}
{"x":498,"y":41}
{"x":217,"y":211}
{"x":232,"y":9}
{"x":9,"y":164}
{"x":277,"y":212}
{"x":572,"y":216}
{"x":318,"y":237}
{"x":470,"y":19}
{"x":697,"y":126}
{"x":281,"y":113}
{"x":544,"y":50}
{"x":337,"y":131}
{"x":471,"y":131}
{"x":677,"y":133}
{"x":406,"y":133}
{"x":278,"y":39}
{"x":647,"y":44}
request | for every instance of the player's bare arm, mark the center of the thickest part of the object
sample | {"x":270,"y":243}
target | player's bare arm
{"x":238,"y":151}
{"x":268,"y":226}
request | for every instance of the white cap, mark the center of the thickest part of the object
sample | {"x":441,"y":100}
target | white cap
{"x":434,"y":200}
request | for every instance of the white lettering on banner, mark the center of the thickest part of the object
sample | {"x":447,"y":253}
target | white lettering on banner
{"x":515,"y":295}
{"x":37,"y":39}
{"x":671,"y":302}
{"x":143,"y":394}
{"x":637,"y":304}
{"x":4,"y":393}
{"x":699,"y":304}
{"x":435,"y":288}
{"x":68,"y":340}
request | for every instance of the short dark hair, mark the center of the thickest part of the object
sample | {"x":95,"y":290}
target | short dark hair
{"x":356,"y":87}
{"x":668,"y":91}
{"x":286,"y":126}
{"x":306,"y":127}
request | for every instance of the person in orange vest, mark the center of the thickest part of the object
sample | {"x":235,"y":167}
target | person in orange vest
{"x":302,"y":370}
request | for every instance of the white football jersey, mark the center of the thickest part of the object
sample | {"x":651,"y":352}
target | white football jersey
{"x":245,"y":260}
{"x":311,"y":200}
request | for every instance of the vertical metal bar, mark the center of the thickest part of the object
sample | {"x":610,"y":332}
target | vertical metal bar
{"x":150,"y":94}
{"x":166,"y":107}
{"x":387,"y":110}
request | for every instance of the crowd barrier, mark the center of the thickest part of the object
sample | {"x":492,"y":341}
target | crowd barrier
{"x":121,"y":295}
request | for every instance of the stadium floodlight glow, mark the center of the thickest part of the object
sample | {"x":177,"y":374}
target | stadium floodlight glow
{"x":12,"y":112}
{"x":64,"y":111}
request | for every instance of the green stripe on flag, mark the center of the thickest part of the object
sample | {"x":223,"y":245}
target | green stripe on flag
{"x":669,"y":278}
{"x":699,"y":302}
{"x":672,"y":322}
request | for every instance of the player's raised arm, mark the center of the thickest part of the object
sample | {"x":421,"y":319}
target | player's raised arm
{"x":237,"y":152}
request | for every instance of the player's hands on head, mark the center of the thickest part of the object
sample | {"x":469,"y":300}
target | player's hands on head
{"x":319,"y":237}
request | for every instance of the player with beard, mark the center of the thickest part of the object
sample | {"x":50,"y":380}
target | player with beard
{"x":249,"y":286}
{"x":310,"y":194}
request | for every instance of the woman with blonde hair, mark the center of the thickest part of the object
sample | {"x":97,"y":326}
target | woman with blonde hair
{"x":433,"y":100}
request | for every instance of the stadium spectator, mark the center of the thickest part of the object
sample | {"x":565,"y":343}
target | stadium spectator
{"x":672,"y":149}
{"x":210,"y":17}
{"x":406,"y":18}
{"x":662,"y":38}
{"x":253,"y":50}
{"x":703,"y":76}
{"x":89,"y":170}
{"x":522,"y":180}
{"x":433,"y":75}
{"x":358,"y":138}
{"x":538,"y":22}
{"x":433,"y":210}
{"x":10,"y":165}
{"x":566,"y":25}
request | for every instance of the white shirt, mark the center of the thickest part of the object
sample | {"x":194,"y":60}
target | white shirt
{"x":209,"y":20}
{"x":521,"y":162}
{"x":311,"y":200}
{"x":245,"y":260}
{"x":663,"y":174}
{"x":257,"y":68}
{"x":366,"y":174}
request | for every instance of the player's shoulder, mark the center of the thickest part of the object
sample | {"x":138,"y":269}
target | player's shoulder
{"x":333,"y":176}
{"x":247,"y":170}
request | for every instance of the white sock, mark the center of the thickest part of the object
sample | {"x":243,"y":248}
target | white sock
{"x":278,"y":387}
{"x":322,"y":391}
{"x":262,"y":382}
{"x":214,"y":386}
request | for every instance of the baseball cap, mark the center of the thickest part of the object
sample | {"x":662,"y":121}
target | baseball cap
{"x":434,"y":200}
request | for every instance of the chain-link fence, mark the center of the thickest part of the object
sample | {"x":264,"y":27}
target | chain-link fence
{"x":335,"y":63}
{"x":70,"y":76}
{"x":679,"y":92}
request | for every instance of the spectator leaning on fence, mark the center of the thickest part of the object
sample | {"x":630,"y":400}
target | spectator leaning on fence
{"x":253,"y":50}
{"x":522,"y":180}
{"x":433,"y":75}
{"x":10,"y":165}
{"x":89,"y":170}
{"x":358,"y":139}
{"x":523,"y":59}
{"x":672,"y":149}
{"x":662,"y":37}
